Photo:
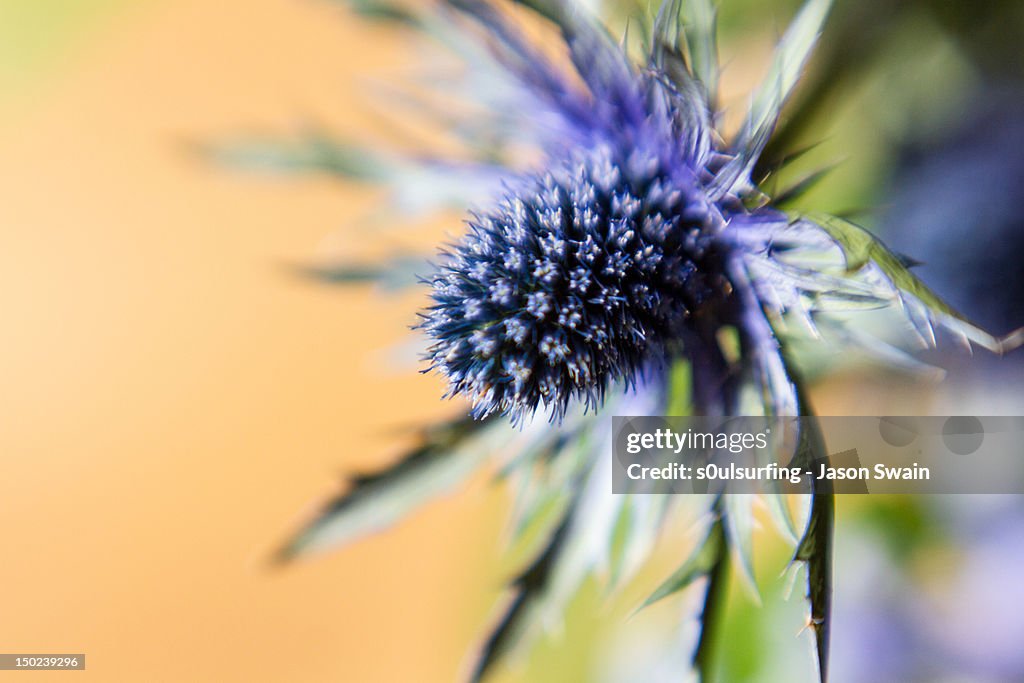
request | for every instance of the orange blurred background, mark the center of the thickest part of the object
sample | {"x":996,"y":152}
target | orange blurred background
{"x":170,"y":396}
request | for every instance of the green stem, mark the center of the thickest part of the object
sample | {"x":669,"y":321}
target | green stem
{"x":714,"y":599}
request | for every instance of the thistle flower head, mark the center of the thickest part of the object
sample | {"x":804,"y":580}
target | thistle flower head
{"x":575,"y":279}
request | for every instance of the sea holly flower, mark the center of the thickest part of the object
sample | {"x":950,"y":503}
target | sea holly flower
{"x":627,"y":263}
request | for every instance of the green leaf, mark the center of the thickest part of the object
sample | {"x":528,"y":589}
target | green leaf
{"x":529,"y":587}
{"x":617,"y":549}
{"x":375,"y":501}
{"x":315,"y":152}
{"x":787,"y":64}
{"x":397,"y":272}
{"x":699,"y":564}
{"x":860,"y":248}
{"x":666,"y":34}
{"x":381,"y":10}
{"x":683,"y":49}
{"x":700,"y":32}
{"x":739,"y":525}
{"x":782,"y":518}
{"x":636,"y":533}
{"x":709,"y":560}
{"x":790,"y":57}
{"x":552,"y":10}
{"x":542,"y":475}
{"x":581,"y":543}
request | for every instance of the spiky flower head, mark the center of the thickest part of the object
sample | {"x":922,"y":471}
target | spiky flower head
{"x":576,"y":279}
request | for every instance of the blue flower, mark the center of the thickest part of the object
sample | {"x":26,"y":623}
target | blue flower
{"x":577,"y":279}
